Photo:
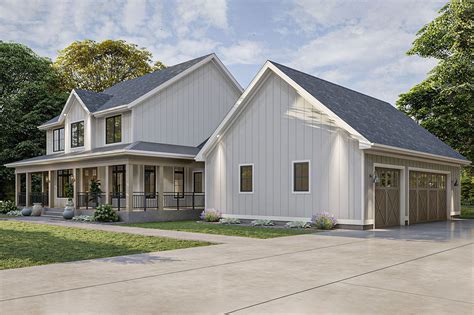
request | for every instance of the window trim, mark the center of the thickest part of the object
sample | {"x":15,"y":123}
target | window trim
{"x":83,"y":134}
{"x":59,"y":135}
{"x":121,"y":129}
{"x":292,"y":180}
{"x":240,"y":182}
{"x":202,"y":182}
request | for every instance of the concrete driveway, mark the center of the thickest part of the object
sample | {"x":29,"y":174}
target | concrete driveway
{"x":426,"y":268}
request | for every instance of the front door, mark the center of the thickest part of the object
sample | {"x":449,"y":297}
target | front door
{"x":387,"y":198}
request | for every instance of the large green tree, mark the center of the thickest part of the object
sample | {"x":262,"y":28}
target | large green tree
{"x":30,"y":94}
{"x":96,"y":66}
{"x":443,"y":103}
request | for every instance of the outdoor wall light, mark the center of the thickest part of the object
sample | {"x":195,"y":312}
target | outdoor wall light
{"x":375,"y":177}
{"x":455,"y":184}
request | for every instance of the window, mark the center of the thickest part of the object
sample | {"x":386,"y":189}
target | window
{"x":88,"y":175}
{"x":118,"y":179}
{"x":64,"y":179}
{"x":58,"y":139}
{"x":113,"y":129}
{"x":246,"y":178}
{"x":301,"y":176}
{"x":197,"y":182}
{"x":179,"y":182}
{"x":150,"y":181}
{"x":77,"y":134}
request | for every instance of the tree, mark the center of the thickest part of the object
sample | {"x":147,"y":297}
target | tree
{"x":30,"y":94}
{"x":96,"y":66}
{"x":444,"y":102}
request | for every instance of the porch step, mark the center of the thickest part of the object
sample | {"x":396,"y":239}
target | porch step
{"x":53,"y":213}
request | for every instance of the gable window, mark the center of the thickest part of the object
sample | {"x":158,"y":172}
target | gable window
{"x":150,"y":181}
{"x":246,"y":178}
{"x":58,"y":139}
{"x":64,"y":179}
{"x":197,"y":182}
{"x":77,"y":134}
{"x":179,"y":182}
{"x":113,"y":129}
{"x":301,"y":176}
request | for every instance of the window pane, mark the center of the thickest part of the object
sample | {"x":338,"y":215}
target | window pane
{"x":246,"y":177}
{"x":198,"y":182}
{"x":118,"y":128}
{"x":179,"y":182}
{"x":150,"y":180}
{"x":109,"y":129}
{"x":63,"y":178}
{"x":301,"y":176}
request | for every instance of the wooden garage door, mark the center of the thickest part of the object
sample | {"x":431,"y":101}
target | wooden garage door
{"x":427,"y":197}
{"x":387,"y":198}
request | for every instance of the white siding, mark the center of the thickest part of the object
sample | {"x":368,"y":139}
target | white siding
{"x":49,"y":141}
{"x":277,"y":127}
{"x":188,"y":111}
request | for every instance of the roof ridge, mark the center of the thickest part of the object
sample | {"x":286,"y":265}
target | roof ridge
{"x":335,"y":84}
{"x":89,"y":91}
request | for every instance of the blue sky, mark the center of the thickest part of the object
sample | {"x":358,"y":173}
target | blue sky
{"x":358,"y":44}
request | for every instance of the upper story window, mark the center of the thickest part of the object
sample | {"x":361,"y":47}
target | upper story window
{"x":77,"y":134}
{"x":301,"y":176}
{"x":58,"y":139}
{"x":246,"y":178}
{"x":113,"y":129}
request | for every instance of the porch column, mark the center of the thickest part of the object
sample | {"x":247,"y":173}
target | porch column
{"x":129,"y":187}
{"x":17,"y":188}
{"x":160,"y":186}
{"x":50,"y":189}
{"x":74,"y":185}
{"x":106,"y":185}
{"x":28,"y":189}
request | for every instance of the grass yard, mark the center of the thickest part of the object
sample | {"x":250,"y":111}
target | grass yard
{"x":29,"y":244}
{"x":467,"y":212}
{"x":232,"y":230}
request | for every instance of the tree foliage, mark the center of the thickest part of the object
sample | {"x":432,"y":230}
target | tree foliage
{"x":30,"y":94}
{"x":444,"y":102}
{"x":96,"y":66}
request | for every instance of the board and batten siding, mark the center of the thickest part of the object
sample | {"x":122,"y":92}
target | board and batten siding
{"x":49,"y":141}
{"x":76,"y":113}
{"x":279,"y":126}
{"x":188,"y":111}
{"x":99,"y":129}
{"x":374,"y":159}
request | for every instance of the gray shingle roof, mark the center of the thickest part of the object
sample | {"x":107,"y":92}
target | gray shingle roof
{"x":93,"y":100}
{"x":378,"y":121}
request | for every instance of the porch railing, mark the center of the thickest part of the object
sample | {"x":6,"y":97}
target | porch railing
{"x":39,"y":197}
{"x":186,"y":200}
{"x":117,"y":200}
{"x":88,"y":200}
{"x":142,"y":200}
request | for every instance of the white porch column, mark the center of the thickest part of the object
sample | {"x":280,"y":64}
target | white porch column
{"x":160,"y":186}
{"x":129,"y":187}
{"x":17,"y":190}
{"x":50,"y":189}
{"x":74,"y":185}
{"x":28,"y":189}
{"x":106,"y":185}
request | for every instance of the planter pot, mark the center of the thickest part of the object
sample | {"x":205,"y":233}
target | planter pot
{"x":36,"y":210}
{"x":68,"y":211}
{"x":26,"y":212}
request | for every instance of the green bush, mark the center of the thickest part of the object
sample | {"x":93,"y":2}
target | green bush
{"x":7,"y":206}
{"x":105,"y":213}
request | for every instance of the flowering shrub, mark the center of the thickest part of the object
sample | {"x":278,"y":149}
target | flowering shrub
{"x":14,"y":213}
{"x":262,"y":223}
{"x":7,"y":206}
{"x":229,"y":221}
{"x":105,"y":213}
{"x":83,"y":218}
{"x":211,"y":215}
{"x":298,"y":225}
{"x":324,"y":221}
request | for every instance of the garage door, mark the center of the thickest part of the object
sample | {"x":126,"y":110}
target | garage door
{"x":427,"y":197}
{"x":387,"y":198}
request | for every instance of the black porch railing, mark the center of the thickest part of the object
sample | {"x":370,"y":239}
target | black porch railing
{"x":39,"y":197}
{"x":142,"y":200}
{"x":22,"y":199}
{"x":88,"y":200}
{"x":117,"y":200}
{"x":172,"y":200}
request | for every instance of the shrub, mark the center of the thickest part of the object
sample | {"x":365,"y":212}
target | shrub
{"x":229,"y":221}
{"x":7,"y":206}
{"x":262,"y":223}
{"x":105,"y":213}
{"x":83,"y":218}
{"x":324,"y":221}
{"x":211,"y":215}
{"x":298,"y":225}
{"x":14,"y":213}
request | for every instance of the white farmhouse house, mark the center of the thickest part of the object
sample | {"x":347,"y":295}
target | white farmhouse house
{"x":289,"y":147}
{"x":294,"y":145}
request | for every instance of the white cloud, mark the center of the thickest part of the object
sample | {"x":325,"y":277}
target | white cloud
{"x":243,"y":52}
{"x":206,"y":13}
{"x":134,"y":14}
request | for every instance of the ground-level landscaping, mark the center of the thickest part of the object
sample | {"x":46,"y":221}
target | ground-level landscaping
{"x":29,"y":244}
{"x":467,"y":212}
{"x":222,"y":229}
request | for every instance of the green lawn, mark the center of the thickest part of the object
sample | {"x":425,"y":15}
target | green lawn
{"x":29,"y":244}
{"x":467,"y":212}
{"x":233,"y":230}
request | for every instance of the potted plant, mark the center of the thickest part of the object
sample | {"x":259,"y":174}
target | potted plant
{"x":69,"y":209}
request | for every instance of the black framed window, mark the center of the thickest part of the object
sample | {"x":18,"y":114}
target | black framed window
{"x":64,"y":178}
{"x":113,"y":129}
{"x":197,"y":182}
{"x":179,"y":182}
{"x":150,"y":181}
{"x":246,"y":178}
{"x":118,"y":179}
{"x":301,"y":176}
{"x":77,"y":134}
{"x":58,"y":139}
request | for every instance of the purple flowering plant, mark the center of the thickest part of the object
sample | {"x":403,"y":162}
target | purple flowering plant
{"x":211,"y":215}
{"x":324,"y":221}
